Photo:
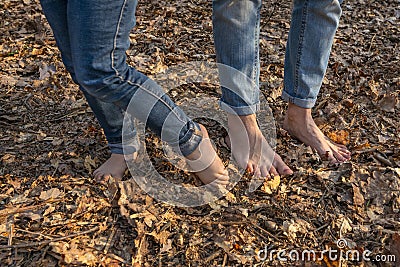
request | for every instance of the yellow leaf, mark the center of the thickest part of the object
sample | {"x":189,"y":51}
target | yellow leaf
{"x":271,"y":185}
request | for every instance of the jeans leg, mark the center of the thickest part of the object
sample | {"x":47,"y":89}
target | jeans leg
{"x":111,"y":119}
{"x":99,"y":35}
{"x":236,"y":25}
{"x":313,"y":27}
{"x":109,"y":115}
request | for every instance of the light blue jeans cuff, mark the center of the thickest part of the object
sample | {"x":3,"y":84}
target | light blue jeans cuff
{"x":304,"y":103}
{"x":240,"y":111}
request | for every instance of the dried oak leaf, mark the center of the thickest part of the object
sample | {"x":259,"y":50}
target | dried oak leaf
{"x":358,"y":198}
{"x":340,"y":137}
{"x":271,"y":185}
{"x":388,"y":103}
{"x":52,"y":193}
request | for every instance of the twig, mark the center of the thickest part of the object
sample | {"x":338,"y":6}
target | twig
{"x":225,"y":259}
{"x":383,"y":160}
{"x":110,"y":240}
{"x":256,"y":232}
{"x":371,"y":43}
{"x":264,"y":231}
{"x":321,"y":227}
{"x":247,"y":221}
{"x":11,"y":232}
{"x":7,"y":212}
{"x":229,"y":223}
{"x":367,"y":150}
{"x":212,"y":256}
{"x":33,"y":233}
{"x":41,"y":243}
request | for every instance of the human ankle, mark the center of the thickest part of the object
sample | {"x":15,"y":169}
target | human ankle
{"x":245,"y":119}
{"x":295,"y":112}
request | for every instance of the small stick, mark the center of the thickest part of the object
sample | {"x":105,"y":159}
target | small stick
{"x":8,"y":212}
{"x":11,"y":232}
{"x":228,"y":223}
{"x":225,"y":259}
{"x":264,"y":231}
{"x":41,"y":243}
{"x":212,"y":256}
{"x":110,"y":240}
{"x":383,"y":160}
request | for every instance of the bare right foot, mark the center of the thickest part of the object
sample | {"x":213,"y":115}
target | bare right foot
{"x":206,"y":163}
{"x":114,"y":167}
{"x":300,"y":124}
{"x":250,"y":148}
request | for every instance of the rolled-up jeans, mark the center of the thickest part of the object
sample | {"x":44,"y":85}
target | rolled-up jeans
{"x":236,"y":35}
{"x":93,"y":37}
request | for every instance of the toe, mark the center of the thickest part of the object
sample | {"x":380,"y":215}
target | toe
{"x":281,"y":167}
{"x":222,"y":182}
{"x":339,"y":158}
{"x":250,"y":168}
{"x":257,"y":172}
{"x":264,"y":171}
{"x":273,"y":171}
{"x":99,"y":177}
{"x":328,"y":156}
{"x":285,"y":170}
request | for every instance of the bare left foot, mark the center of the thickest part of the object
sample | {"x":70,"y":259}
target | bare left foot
{"x":250,"y":148}
{"x":206,"y":164}
{"x":300,"y":124}
{"x":114,"y":167}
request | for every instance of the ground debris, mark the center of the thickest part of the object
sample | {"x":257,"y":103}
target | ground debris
{"x":53,"y":213}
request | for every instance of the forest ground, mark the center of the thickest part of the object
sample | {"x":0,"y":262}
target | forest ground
{"x":53,"y":213}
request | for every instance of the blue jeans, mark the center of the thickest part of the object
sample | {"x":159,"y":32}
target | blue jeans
{"x":93,"y":36}
{"x":236,"y":33}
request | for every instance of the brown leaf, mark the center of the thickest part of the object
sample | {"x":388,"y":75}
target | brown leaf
{"x":166,"y":247}
{"x":271,"y":185}
{"x":52,"y":193}
{"x":358,"y":198}
{"x":388,"y":102}
{"x":340,"y":137}
{"x":395,"y":246}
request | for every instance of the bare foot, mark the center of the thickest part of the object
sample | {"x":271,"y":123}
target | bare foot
{"x":114,"y":167}
{"x":300,"y":124}
{"x":206,"y":163}
{"x":250,"y":148}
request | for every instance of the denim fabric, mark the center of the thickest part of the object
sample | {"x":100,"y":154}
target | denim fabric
{"x":236,"y":33}
{"x":236,"y":26}
{"x":313,"y":27}
{"x":93,"y":37}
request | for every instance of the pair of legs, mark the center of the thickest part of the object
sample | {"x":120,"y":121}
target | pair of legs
{"x":93,"y":36}
{"x":236,"y":36}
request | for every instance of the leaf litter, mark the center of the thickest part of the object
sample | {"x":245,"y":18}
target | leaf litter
{"x":53,"y":213}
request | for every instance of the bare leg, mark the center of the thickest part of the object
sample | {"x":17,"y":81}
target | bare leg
{"x":256,"y":159}
{"x":300,"y":124}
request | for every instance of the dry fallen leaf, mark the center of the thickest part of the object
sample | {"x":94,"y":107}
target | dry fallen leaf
{"x":52,"y":193}
{"x":340,"y":137}
{"x":388,"y":102}
{"x":358,"y":198}
{"x":271,"y":185}
{"x":166,"y":247}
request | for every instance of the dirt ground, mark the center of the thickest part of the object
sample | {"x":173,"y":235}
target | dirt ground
{"x":53,"y":213}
